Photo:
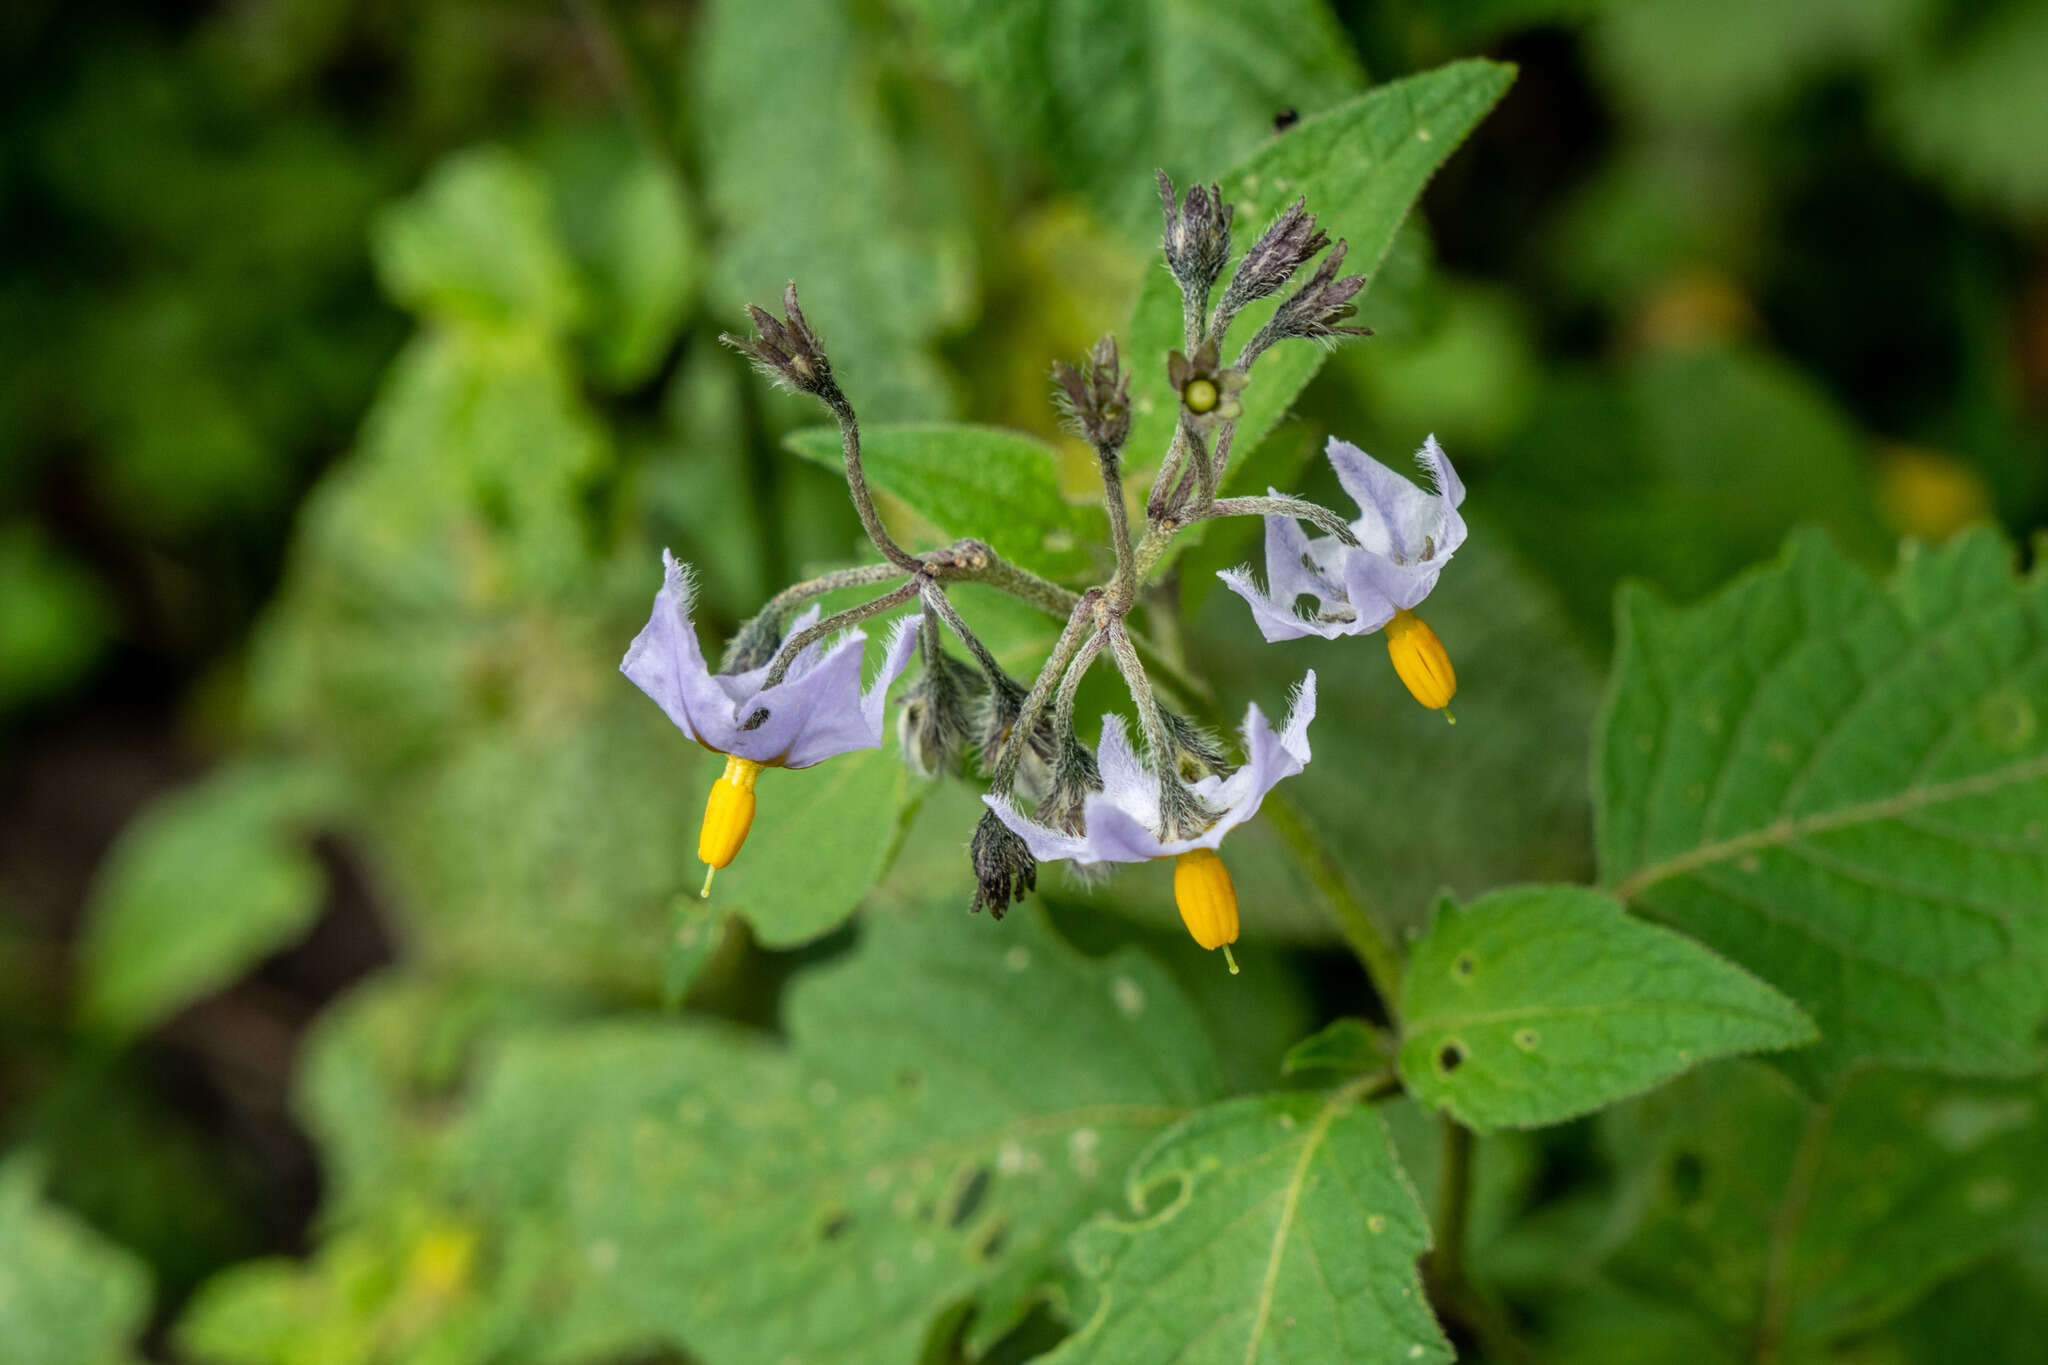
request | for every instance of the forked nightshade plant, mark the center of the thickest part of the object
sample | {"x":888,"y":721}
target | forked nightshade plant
{"x":785,"y":697}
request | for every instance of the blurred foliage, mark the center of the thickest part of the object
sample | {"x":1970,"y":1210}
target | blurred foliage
{"x":360,"y":358}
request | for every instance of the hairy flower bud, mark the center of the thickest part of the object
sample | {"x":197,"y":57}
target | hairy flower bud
{"x":934,"y":726}
{"x":1097,"y":398}
{"x":1197,"y":235}
{"x":1317,"y":310}
{"x":754,"y":645}
{"x":788,"y":352}
{"x":1290,"y":243}
{"x":1075,"y":777}
{"x":1003,"y":866}
{"x":1196,"y":752}
{"x":999,"y":711}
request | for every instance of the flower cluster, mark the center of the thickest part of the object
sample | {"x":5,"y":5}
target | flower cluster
{"x":789,"y":691}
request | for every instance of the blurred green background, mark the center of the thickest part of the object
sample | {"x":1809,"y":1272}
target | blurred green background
{"x":356,"y":359}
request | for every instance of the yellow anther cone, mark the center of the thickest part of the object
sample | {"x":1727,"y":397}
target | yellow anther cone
{"x":728,"y":815}
{"x":1207,"y":900}
{"x":1420,"y":660}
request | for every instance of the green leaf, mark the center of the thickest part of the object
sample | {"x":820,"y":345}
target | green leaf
{"x":1962,"y":116}
{"x":203,"y":885}
{"x":478,"y":243}
{"x":1841,"y":785}
{"x":1102,"y":90}
{"x":1791,"y":1223}
{"x":1533,"y":1005}
{"x":822,"y":837}
{"x":814,"y":171}
{"x":996,"y":485}
{"x":627,"y":224}
{"x":956,"y":1098}
{"x":1350,"y":1046}
{"x":67,"y":1296}
{"x":1361,"y":166}
{"x":1679,"y":469}
{"x":53,"y":617}
{"x":1267,"y":1229}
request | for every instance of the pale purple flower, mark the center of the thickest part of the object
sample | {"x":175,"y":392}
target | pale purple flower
{"x":1405,"y":536}
{"x":1121,"y":823}
{"x":817,"y":711}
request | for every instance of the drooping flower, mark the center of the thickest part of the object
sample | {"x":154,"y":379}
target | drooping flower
{"x":1406,"y":534}
{"x":1126,"y":821}
{"x":817,"y":711}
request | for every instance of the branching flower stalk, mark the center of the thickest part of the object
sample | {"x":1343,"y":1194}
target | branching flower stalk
{"x":785,"y":698}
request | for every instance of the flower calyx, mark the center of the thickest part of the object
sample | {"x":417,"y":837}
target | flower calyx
{"x":1096,"y":398}
{"x":1197,"y":235}
{"x":1003,"y":866}
{"x":1208,"y":391}
{"x":787,"y":351}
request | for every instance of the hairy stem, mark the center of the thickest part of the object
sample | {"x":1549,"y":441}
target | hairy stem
{"x":1281,"y":505}
{"x":1063,"y":650}
{"x":779,"y":667}
{"x":1149,"y":719}
{"x":861,"y":576}
{"x":1070,"y":683}
{"x":1125,"y":586}
{"x":857,"y":484}
{"x":935,"y":599}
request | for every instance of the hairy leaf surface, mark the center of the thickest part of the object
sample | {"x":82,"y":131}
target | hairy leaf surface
{"x":1533,"y":1005}
{"x":1271,"y":1229}
{"x":1844,"y":787}
{"x":1361,"y":166}
{"x":957,"y":1097}
{"x":1784,"y":1221}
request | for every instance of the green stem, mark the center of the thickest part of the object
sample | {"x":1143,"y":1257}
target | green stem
{"x":1382,"y":960}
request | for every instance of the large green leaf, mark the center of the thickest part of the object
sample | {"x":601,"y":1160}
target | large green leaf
{"x":1790,"y":1224}
{"x":995,"y":485}
{"x":67,"y":1296}
{"x":1842,"y":786}
{"x":813,"y":171}
{"x":1361,"y":166}
{"x":1103,"y":90}
{"x":1267,"y":1229}
{"x":201,"y":887}
{"x":478,"y":244}
{"x":956,"y":1099}
{"x":1533,"y":1005}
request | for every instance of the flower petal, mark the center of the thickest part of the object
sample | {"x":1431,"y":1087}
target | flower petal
{"x":1396,"y":517}
{"x":666,"y":663}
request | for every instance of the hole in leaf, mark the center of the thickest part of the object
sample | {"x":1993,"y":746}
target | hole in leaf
{"x":1525,"y":1039}
{"x":972,"y":1192}
{"x":991,"y":1244}
{"x":1450,"y":1059}
{"x":835,"y":1227}
{"x":1688,"y":1177}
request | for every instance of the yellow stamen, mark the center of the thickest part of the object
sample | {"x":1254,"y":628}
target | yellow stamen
{"x":1207,"y":900}
{"x":1201,"y":396}
{"x":1420,"y":660}
{"x":728,"y":815}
